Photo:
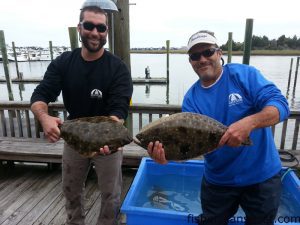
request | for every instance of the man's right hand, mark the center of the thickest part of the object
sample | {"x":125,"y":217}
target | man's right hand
{"x":50,"y":127}
{"x":157,"y":152}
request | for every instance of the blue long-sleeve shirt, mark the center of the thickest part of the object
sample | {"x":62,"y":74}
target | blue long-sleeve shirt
{"x":241,"y":91}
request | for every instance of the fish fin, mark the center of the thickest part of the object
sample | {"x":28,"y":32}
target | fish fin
{"x":137,"y":141}
{"x":247,"y":142}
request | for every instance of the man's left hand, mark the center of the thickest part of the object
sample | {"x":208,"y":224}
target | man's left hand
{"x":237,"y":133}
{"x":105,"y":150}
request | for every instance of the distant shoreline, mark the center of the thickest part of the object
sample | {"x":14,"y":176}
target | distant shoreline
{"x":253,"y":52}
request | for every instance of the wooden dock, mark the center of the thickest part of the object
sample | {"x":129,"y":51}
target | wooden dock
{"x":138,"y":80}
{"x":32,"y":195}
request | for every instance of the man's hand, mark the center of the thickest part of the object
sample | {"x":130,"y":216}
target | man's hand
{"x":50,"y":127}
{"x":157,"y":152}
{"x":105,"y":150}
{"x":117,"y":119}
{"x":236,"y":133}
{"x":49,"y":123}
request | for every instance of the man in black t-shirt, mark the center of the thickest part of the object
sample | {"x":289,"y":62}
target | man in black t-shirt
{"x":93,"y":82}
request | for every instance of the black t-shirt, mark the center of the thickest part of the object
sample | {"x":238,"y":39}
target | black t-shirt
{"x":89,"y":88}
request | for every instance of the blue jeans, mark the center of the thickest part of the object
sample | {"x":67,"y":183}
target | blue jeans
{"x":260,"y":202}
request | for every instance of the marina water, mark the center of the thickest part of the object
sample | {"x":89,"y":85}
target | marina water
{"x":182,"y":76}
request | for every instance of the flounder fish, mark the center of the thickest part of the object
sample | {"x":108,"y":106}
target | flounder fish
{"x":86,"y":135}
{"x":184,"y":135}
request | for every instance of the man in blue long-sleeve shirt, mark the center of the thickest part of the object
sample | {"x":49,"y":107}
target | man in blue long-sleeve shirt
{"x":240,"y":97}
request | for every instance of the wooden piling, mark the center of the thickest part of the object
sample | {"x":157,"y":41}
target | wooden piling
{"x":290,"y":75}
{"x":121,"y":27}
{"x":168,"y":59}
{"x":111,"y":34}
{"x":248,"y":41}
{"x":229,"y":47}
{"x":16,"y":59}
{"x":28,"y":55}
{"x":73,"y":35}
{"x":120,"y":44}
{"x":5,"y":65}
{"x":51,"y":50}
{"x":296,"y":74}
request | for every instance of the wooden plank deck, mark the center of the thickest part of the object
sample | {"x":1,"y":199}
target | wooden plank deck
{"x":32,"y":195}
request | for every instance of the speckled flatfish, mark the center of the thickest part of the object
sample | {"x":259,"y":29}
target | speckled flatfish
{"x":183,"y":135}
{"x":86,"y":135}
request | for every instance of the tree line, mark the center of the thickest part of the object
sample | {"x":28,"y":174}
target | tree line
{"x":264,"y":43}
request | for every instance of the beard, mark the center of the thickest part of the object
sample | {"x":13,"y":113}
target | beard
{"x":92,"y":47}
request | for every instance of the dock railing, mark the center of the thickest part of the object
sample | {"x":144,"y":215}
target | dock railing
{"x":16,"y":120}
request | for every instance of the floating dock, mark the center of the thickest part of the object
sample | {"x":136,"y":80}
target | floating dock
{"x":155,"y":80}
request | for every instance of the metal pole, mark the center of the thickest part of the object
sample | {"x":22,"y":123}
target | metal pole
{"x":5,"y":65}
{"x":73,"y":37}
{"x":229,"y":47}
{"x":16,"y":60}
{"x":248,"y":41}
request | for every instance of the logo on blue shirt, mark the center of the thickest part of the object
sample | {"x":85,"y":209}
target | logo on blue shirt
{"x":235,"y":99}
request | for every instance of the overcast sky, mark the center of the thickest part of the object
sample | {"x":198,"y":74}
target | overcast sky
{"x":152,"y":22}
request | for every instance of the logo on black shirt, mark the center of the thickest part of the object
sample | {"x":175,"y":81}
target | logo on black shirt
{"x":96,"y":94}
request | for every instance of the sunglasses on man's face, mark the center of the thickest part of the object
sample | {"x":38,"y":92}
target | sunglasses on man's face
{"x":90,"y":26}
{"x":206,"y":53}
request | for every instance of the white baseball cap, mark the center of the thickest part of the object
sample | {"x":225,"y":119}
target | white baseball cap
{"x":202,"y":36}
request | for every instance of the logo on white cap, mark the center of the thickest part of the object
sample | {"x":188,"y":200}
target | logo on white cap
{"x":205,"y":37}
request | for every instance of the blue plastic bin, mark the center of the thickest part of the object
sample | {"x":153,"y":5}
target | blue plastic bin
{"x":154,"y":182}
